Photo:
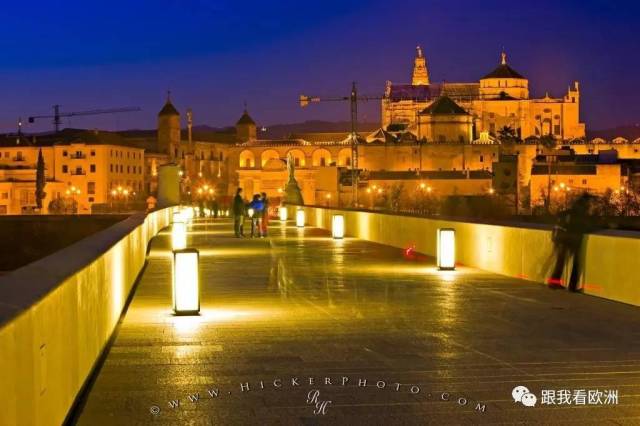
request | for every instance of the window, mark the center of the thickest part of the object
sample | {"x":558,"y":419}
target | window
{"x":110,"y":153}
{"x":584,"y":181}
{"x":65,"y":169}
{"x":3,"y":209}
{"x":127,"y":169}
{"x":121,"y":168}
{"x":127,"y":154}
{"x":221,"y":157}
{"x":492,"y":128}
{"x":441,"y":138}
{"x":91,"y":199}
{"x":111,"y":168}
{"x":92,"y":168}
{"x":64,"y":153}
{"x":91,"y":187}
{"x":5,"y":195}
{"x":93,"y":152}
{"x":323,"y":162}
{"x":6,"y":154}
{"x":482,"y":158}
{"x":556,"y":129}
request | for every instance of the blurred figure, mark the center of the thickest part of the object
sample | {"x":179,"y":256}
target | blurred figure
{"x":567,"y":239}
{"x":264,"y":222}
{"x":214,"y":208}
{"x":238,"y":210}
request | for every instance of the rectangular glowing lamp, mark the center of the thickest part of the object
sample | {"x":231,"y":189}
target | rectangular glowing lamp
{"x":186,"y":285}
{"x":282,"y":211}
{"x":177,"y":217}
{"x":337,"y":226}
{"x":300,"y":218}
{"x":178,"y":235}
{"x":446,"y":249}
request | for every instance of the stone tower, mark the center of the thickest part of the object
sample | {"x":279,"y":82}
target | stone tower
{"x":420,"y":72}
{"x":245,"y":128}
{"x":169,"y":130}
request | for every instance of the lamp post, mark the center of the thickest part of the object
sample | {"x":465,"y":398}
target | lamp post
{"x":282,"y":212}
{"x":446,"y":249}
{"x":337,"y":226}
{"x":300,"y":219}
{"x":186,"y":282}
{"x":71,"y":192}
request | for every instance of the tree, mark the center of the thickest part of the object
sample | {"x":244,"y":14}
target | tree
{"x":40,"y":181}
{"x":508,"y":136}
{"x":548,"y":142}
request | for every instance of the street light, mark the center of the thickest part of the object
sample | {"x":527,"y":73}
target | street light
{"x":300,"y":218}
{"x":178,"y":235}
{"x":186,"y":285}
{"x":337,"y":226}
{"x":282,"y":212}
{"x":446,"y":249}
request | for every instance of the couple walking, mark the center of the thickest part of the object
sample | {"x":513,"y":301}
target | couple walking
{"x":257,"y":211}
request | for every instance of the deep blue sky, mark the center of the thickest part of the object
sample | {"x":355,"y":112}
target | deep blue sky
{"x":214,"y":55}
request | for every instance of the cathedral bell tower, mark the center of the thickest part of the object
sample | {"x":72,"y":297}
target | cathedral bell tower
{"x":420,"y":73}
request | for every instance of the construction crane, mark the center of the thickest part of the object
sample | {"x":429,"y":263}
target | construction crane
{"x":353,"y":98}
{"x":57,"y":115}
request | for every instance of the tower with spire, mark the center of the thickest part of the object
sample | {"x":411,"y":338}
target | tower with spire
{"x":246,"y":127}
{"x":169,"y":129}
{"x":420,"y":72}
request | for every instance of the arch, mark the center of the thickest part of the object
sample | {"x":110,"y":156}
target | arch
{"x":247,"y":159}
{"x":598,"y":140}
{"x":321,"y":158}
{"x":299,"y":158}
{"x":636,"y":140}
{"x":620,"y":139}
{"x":267,"y":155}
{"x":344,"y":157}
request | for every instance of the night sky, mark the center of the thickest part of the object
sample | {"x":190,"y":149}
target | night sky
{"x":215,"y":55}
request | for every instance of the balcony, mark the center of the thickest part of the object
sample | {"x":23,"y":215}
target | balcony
{"x":19,"y":159}
{"x":78,"y":156}
{"x":78,"y":172}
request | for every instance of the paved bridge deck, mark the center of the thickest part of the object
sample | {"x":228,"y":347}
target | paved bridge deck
{"x":299,"y":306}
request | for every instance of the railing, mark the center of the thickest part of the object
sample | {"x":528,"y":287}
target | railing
{"x":516,"y":249}
{"x":77,"y":156}
{"x":58,"y":314}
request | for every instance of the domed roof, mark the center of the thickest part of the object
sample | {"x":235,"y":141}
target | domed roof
{"x":245,"y":119}
{"x":444,"y":105}
{"x":503,"y":71}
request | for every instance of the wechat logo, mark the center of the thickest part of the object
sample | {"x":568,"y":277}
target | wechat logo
{"x":522,"y":395}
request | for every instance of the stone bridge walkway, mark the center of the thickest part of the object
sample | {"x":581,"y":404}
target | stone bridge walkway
{"x":381,"y":338}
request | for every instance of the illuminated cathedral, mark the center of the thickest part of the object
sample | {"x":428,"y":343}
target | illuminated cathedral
{"x":477,"y":111}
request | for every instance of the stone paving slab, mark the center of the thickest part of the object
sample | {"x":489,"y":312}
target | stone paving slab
{"x":299,"y":312}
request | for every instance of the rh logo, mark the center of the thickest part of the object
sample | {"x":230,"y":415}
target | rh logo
{"x":313,"y":398}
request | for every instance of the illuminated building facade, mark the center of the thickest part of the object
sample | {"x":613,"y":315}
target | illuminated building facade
{"x":500,"y":98}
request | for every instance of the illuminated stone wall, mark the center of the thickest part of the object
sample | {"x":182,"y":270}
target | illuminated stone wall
{"x":57,"y":315}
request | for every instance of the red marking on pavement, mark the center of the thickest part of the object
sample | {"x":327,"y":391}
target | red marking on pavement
{"x":593,"y":287}
{"x":523,"y":276}
{"x":556,"y":281}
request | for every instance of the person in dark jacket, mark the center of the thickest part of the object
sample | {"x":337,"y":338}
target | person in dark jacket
{"x":257,"y":207}
{"x":264,"y":222}
{"x":238,"y":213}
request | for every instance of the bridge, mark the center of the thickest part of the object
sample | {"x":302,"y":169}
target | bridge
{"x":301,"y":328}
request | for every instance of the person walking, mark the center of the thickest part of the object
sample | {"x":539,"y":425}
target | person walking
{"x":264,"y":223}
{"x":238,"y":214}
{"x":256,"y":206}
